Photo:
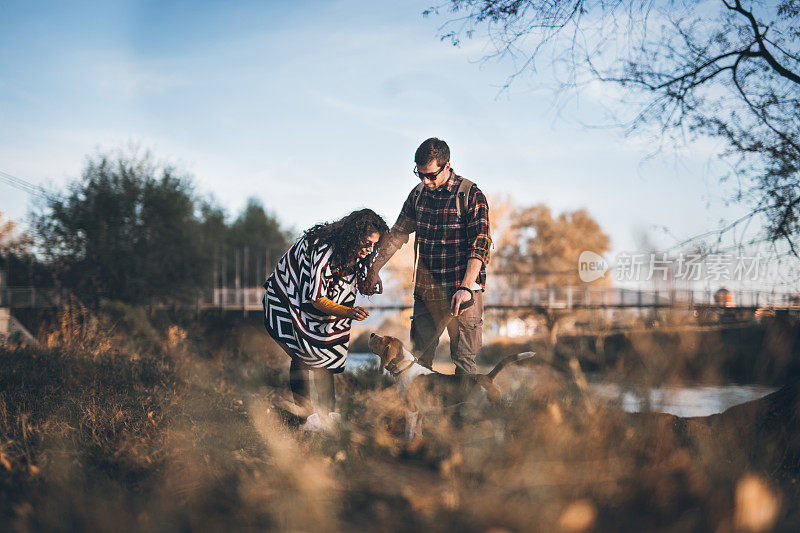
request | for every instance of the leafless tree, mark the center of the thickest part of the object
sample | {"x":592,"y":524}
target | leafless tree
{"x":726,"y":69}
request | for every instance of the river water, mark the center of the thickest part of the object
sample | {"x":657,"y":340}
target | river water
{"x":685,"y":401}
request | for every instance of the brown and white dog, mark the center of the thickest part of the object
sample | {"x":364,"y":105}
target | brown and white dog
{"x":405,"y":369}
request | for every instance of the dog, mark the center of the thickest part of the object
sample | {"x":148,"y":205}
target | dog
{"x":405,"y":369}
{"x":414,"y":379}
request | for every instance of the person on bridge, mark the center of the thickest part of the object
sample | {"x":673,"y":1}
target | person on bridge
{"x":309,"y":302}
{"x":450,"y":216}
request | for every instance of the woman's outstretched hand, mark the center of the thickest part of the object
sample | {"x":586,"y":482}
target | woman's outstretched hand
{"x":357,"y":313}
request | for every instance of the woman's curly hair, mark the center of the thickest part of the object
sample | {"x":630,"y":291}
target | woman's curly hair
{"x":347,"y":236}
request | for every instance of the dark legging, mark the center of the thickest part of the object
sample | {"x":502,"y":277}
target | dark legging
{"x":300,"y":378}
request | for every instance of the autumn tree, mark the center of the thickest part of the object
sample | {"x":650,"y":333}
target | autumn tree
{"x":726,"y":69}
{"x":534,"y":249}
{"x":15,"y":256}
{"x":19,"y":264}
{"x":538,"y":249}
{"x":10,"y":237}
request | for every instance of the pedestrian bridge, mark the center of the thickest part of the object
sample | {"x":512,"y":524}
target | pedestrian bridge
{"x":538,"y":299}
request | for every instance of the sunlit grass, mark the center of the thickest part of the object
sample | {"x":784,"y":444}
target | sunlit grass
{"x":182,"y":434}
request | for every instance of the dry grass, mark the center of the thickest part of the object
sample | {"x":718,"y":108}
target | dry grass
{"x":181,"y":435}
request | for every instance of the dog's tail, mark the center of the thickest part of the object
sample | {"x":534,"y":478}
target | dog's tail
{"x":507,"y":361}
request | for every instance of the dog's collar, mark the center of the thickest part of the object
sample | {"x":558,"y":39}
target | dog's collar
{"x":396,"y":366}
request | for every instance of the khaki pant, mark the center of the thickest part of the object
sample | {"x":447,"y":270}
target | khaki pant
{"x":430,"y":319}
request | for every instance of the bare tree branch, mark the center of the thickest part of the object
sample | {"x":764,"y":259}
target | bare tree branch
{"x":694,"y":72}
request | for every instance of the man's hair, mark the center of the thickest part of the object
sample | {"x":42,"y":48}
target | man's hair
{"x":430,"y":150}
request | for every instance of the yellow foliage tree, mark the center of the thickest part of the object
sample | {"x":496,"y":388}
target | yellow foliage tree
{"x":10,"y":238}
{"x":533,"y":248}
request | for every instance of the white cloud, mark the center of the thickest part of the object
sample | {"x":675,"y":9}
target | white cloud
{"x":130,"y":79}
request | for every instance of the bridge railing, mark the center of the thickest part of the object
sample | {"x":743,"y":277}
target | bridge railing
{"x":580,"y":297}
{"x":31,"y":297}
{"x":249,"y":298}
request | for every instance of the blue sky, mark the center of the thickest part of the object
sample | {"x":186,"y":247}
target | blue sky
{"x":316,"y":108}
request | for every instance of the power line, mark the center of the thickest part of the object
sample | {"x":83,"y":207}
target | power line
{"x":27,"y":187}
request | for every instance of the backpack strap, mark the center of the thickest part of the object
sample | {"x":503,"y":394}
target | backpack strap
{"x":461,"y":204}
{"x":417,"y":192}
{"x":463,"y":196}
{"x":462,"y":193}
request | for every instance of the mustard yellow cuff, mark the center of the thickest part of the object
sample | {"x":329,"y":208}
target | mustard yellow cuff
{"x":329,"y":307}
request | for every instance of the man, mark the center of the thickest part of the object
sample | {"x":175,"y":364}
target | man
{"x":451,"y":219}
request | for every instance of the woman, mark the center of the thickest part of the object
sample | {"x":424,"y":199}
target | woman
{"x":309,"y":303}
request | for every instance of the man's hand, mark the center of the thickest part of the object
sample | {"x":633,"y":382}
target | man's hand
{"x":357,"y":313}
{"x":459,"y":298}
{"x":374,"y":283}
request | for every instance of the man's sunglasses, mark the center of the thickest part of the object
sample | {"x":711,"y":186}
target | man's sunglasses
{"x":431,"y":176}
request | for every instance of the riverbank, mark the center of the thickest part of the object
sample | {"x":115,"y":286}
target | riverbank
{"x":766,"y":353}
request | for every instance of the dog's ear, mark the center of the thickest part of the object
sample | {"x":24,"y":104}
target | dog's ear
{"x":391,"y":349}
{"x":384,"y":354}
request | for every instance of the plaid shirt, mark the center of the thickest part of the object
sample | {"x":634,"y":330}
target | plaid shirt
{"x":445,"y":243}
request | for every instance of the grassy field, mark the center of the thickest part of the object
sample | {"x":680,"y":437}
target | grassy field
{"x":113,"y":424}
